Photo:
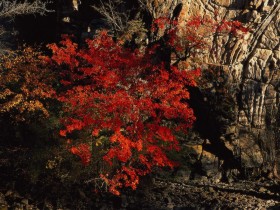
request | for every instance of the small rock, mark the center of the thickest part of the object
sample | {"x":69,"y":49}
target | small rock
{"x":262,"y":190}
{"x":236,"y":199}
{"x":211,"y":189}
{"x":170,"y":206}
{"x":24,"y":201}
{"x":259,"y":205}
{"x":9,"y":193}
{"x":3,"y":206}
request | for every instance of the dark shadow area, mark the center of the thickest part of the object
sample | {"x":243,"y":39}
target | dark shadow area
{"x":37,"y":29}
{"x":209,"y":127}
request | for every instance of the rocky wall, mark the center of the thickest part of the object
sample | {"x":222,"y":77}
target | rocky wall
{"x":253,"y":67}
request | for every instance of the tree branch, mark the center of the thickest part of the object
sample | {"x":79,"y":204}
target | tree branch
{"x":10,"y":9}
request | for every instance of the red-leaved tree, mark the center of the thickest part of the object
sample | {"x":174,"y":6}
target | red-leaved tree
{"x":128,"y":104}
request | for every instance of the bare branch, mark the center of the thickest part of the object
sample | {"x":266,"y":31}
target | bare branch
{"x":10,"y":9}
{"x":113,"y":13}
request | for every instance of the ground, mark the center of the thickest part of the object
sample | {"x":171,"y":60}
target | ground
{"x":163,"y":194}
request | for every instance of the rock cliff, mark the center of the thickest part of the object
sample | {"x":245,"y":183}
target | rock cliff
{"x":252,"y":67}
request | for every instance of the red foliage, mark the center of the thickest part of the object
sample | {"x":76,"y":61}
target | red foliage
{"x":125,"y":95}
{"x":110,"y":88}
{"x":83,"y":151}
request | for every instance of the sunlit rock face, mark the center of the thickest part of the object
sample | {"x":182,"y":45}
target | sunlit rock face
{"x":253,"y":63}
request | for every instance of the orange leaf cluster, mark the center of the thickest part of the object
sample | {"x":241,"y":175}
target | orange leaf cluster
{"x":25,"y":86}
